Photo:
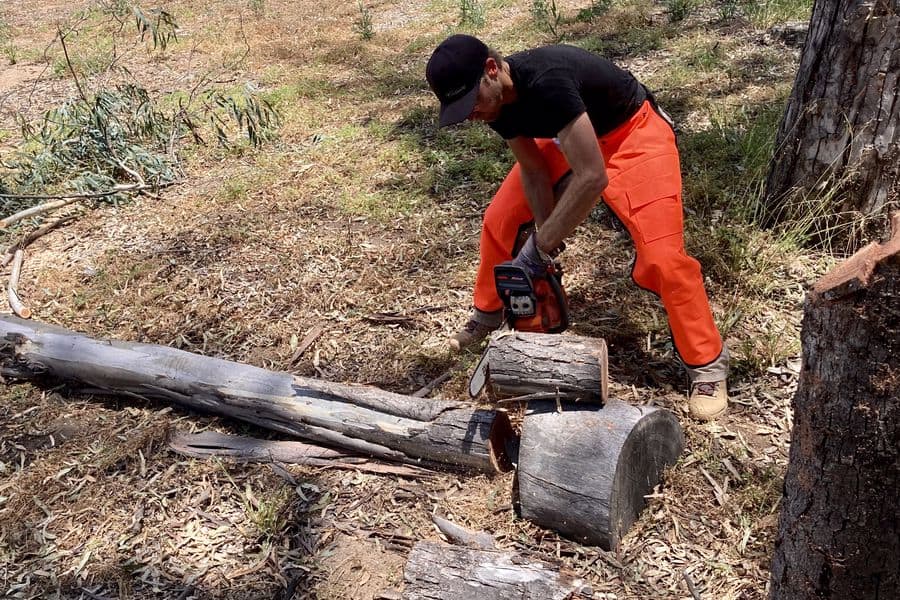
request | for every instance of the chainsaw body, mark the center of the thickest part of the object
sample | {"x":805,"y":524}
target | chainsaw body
{"x":536,"y":304}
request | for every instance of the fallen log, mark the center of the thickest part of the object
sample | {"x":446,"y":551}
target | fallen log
{"x":584,"y":470}
{"x":246,"y":449}
{"x":361,"y":419}
{"x":570,"y":367}
{"x":436,"y":571}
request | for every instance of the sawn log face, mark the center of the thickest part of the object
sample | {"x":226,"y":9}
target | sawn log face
{"x":584,"y":470}
{"x":362,"y":419}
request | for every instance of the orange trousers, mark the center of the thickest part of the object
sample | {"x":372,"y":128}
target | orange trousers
{"x":644,"y":192}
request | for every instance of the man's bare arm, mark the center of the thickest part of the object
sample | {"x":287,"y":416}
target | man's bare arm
{"x":579,"y":143}
{"x":535,"y":177}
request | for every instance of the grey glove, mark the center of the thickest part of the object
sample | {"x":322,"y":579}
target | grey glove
{"x":531,"y":259}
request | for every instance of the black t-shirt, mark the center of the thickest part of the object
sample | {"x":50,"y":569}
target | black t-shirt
{"x":555,"y":84}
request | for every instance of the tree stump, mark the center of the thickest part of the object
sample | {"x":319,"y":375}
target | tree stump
{"x":839,"y":535}
{"x":584,"y":470}
{"x":571,"y":366}
{"x":443,"y":572}
{"x":362,"y":419}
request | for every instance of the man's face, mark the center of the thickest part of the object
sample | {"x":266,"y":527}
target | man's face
{"x":490,"y":93}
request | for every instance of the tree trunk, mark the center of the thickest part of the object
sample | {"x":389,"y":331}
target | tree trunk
{"x":585,"y":470}
{"x":839,"y":140}
{"x":364,"y":420}
{"x":442,"y":572}
{"x":527,"y":363}
{"x":839,"y":535}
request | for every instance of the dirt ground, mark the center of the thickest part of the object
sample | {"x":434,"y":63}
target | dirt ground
{"x":254,"y":249}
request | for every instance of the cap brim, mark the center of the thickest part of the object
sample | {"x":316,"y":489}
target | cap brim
{"x":460,"y":109}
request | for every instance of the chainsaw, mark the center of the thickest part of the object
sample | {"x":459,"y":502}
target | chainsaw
{"x":534,"y":304}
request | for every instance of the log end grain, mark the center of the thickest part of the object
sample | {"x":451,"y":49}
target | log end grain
{"x":584,"y":471}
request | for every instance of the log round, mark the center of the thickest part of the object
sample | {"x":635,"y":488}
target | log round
{"x":584,"y":469}
{"x":527,"y":363}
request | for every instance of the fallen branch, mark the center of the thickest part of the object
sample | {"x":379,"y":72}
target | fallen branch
{"x":480,"y":540}
{"x":429,"y":387}
{"x":65,"y":200}
{"x":31,"y":237}
{"x":246,"y":449}
{"x":308,"y":340}
{"x":15,"y":303}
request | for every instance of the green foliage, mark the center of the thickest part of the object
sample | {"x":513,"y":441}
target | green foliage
{"x":729,"y":10}
{"x":362,"y":25}
{"x":547,"y":16}
{"x":678,"y":10}
{"x":258,"y":7}
{"x":121,"y":135}
{"x":6,"y":45}
{"x":157,"y":24}
{"x":765,"y":13}
{"x":471,"y":14}
{"x":596,"y":9}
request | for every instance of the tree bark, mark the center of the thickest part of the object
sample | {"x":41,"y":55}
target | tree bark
{"x":442,"y":572}
{"x":838,"y":146}
{"x":839,"y":535}
{"x":527,"y":363}
{"x":585,"y":470}
{"x":364,"y":420}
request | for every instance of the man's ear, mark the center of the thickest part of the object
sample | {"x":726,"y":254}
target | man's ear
{"x":491,"y":68}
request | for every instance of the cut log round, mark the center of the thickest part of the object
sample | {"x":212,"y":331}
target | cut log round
{"x":584,"y":470}
{"x":364,"y":420}
{"x":442,"y":572}
{"x":573,"y":366}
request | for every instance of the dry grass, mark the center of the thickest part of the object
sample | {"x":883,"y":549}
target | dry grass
{"x":360,"y":207}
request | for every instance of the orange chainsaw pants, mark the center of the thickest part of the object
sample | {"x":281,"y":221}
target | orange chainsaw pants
{"x":644,"y":192}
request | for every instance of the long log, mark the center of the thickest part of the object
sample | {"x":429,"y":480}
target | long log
{"x":584,"y":470}
{"x":362,"y":419}
{"x":443,"y":572}
{"x":574,"y":367}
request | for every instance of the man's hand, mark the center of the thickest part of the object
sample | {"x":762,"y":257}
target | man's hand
{"x":531,"y":259}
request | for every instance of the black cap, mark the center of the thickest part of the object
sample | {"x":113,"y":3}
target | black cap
{"x":454,"y":72}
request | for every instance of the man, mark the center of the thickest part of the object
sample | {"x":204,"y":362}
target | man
{"x":570,"y":115}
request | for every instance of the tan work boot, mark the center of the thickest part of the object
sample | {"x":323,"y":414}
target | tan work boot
{"x":480,"y":325}
{"x":708,"y":400}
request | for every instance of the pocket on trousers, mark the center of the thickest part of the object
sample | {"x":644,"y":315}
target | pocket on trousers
{"x":656,"y":217}
{"x":655,"y":203}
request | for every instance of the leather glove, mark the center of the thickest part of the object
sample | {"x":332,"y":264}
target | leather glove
{"x":531,"y":259}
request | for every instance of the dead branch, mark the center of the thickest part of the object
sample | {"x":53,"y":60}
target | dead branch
{"x":31,"y":237}
{"x":64,"y":200}
{"x":245,"y":449}
{"x":15,"y":303}
{"x":480,"y":540}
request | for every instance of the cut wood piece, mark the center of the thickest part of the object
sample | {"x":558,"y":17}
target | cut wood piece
{"x":436,"y":571}
{"x":572,"y":366}
{"x":584,"y":470}
{"x":361,"y":419}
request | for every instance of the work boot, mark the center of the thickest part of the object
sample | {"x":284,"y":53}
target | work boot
{"x":708,"y":400}
{"x":480,"y":325}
